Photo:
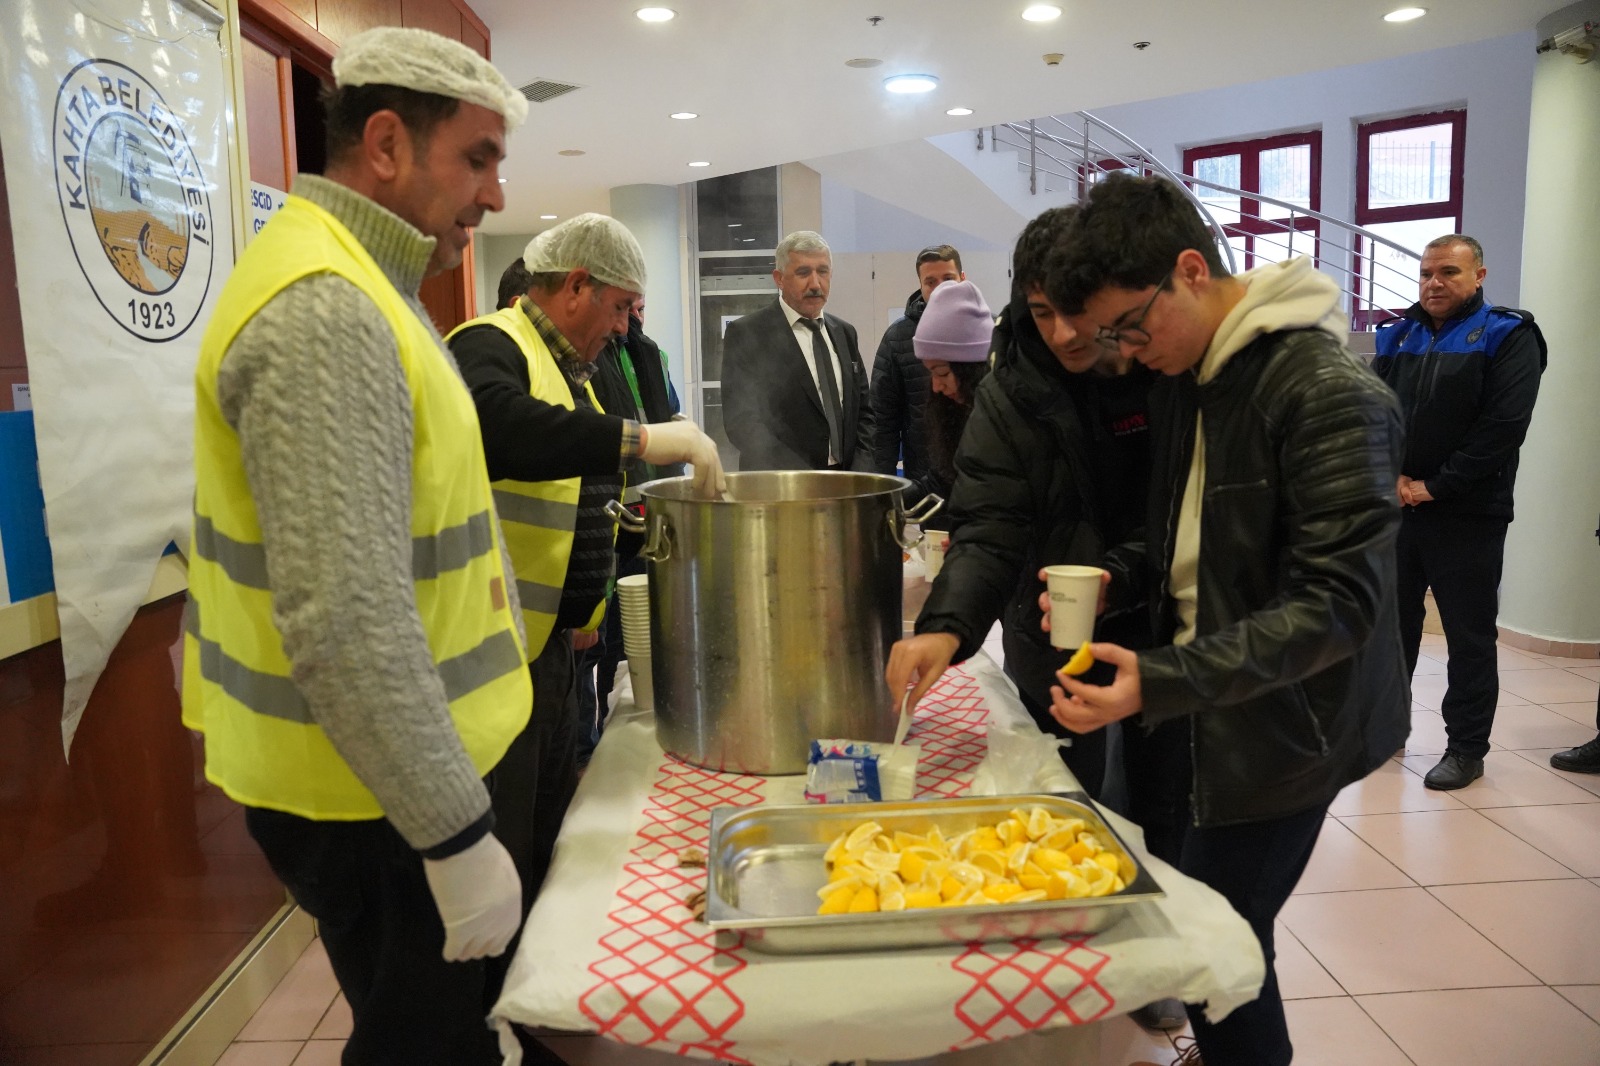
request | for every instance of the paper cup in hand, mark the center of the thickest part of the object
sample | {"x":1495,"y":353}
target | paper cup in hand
{"x":933,"y":551}
{"x":1074,"y":594}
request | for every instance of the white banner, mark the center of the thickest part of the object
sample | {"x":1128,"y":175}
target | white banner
{"x":117,"y":171}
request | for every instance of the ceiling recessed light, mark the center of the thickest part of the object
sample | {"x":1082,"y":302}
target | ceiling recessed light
{"x":911,"y":83}
{"x":683,"y":116}
{"x":959,"y":111}
{"x":502,"y":181}
{"x":656,"y":14}
{"x":547,"y":218}
{"x":1405,"y":14}
{"x":863,"y":63}
{"x":1041,"y":12}
{"x":570,"y":151}
{"x":735,"y":225}
{"x":700,"y":163}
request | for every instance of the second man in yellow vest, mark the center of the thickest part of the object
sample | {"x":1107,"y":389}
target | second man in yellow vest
{"x":556,"y":459}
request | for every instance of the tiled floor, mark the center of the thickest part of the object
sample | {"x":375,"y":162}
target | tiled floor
{"x":1431,"y":929}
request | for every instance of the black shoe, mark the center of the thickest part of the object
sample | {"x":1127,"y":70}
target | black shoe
{"x":1454,"y":771}
{"x":1162,"y":1016}
{"x":1583,"y":759}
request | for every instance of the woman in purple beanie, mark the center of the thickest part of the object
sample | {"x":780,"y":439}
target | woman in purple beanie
{"x":952,"y":341}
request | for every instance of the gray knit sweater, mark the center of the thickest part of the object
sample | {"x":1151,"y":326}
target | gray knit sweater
{"x":313,"y":386}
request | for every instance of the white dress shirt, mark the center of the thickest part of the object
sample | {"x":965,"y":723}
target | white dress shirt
{"x":802,"y":336}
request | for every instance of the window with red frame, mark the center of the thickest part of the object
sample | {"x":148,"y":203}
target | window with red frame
{"x":1409,"y":190}
{"x":1286,"y":169}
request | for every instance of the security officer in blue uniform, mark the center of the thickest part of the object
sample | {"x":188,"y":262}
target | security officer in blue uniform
{"x":1467,"y":374}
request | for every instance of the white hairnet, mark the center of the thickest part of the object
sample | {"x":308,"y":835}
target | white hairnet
{"x":596,"y":243}
{"x":427,"y":63}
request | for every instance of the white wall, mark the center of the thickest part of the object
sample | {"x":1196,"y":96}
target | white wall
{"x":1551,"y":586}
{"x":1492,"y":79}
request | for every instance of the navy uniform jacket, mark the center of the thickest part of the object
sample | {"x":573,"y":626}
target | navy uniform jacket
{"x":1467,"y":392}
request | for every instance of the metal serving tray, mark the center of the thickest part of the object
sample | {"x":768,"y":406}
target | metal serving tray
{"x":765,"y":866}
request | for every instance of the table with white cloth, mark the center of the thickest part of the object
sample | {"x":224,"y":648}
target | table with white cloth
{"x":611,"y":948}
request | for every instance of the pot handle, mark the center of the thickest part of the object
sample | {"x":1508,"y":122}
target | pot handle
{"x":624,"y":517}
{"x":920,"y":513}
{"x":658,"y":544}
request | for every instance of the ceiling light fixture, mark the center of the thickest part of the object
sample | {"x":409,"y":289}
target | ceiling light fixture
{"x":959,"y":111}
{"x":656,"y":14}
{"x":700,"y":163}
{"x":570,"y":151}
{"x":863,"y":63}
{"x":547,"y":218}
{"x":683,"y":116}
{"x":1405,"y":14}
{"x":911,"y":83}
{"x":735,"y":225}
{"x":502,"y":181}
{"x":1041,"y":12}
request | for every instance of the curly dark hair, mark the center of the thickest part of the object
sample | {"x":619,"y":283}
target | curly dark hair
{"x":1030,"y":260}
{"x":945,"y":419}
{"x":1128,"y":234}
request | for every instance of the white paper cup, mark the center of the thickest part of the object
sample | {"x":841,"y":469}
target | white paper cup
{"x":644,"y":689}
{"x":1074,"y":594}
{"x":933,"y":551}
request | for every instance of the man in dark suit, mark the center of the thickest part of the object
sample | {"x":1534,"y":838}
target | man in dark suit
{"x":794,"y":389}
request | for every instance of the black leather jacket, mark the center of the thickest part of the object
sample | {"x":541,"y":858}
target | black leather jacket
{"x":1295,"y":681}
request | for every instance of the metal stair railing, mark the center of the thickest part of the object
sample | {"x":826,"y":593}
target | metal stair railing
{"x":1376,"y":274}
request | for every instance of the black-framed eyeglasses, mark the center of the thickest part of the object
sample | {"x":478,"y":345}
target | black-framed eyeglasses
{"x":1133,"y":334}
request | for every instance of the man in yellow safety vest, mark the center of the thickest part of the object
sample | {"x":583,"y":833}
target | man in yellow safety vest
{"x":557,"y":459}
{"x":354,"y":649}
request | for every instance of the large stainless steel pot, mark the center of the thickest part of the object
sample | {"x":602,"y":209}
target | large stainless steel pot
{"x":772,"y":613}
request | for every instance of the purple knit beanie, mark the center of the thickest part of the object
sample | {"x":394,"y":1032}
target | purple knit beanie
{"x":956,"y":325}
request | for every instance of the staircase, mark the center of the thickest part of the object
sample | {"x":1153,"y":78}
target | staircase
{"x":1062,"y":157}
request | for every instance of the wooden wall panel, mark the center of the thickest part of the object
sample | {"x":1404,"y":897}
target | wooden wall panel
{"x":11,"y":352}
{"x":470,"y":37}
{"x":306,"y":9}
{"x":264,"y":119}
{"x":440,"y":16}
{"x":339,"y":20}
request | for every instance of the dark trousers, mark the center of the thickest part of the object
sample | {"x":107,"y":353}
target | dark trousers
{"x":1255,"y":867}
{"x":365,"y":887}
{"x":1459,"y":557}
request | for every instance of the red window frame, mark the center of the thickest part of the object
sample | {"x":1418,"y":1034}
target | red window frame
{"x":1365,"y":318}
{"x":1251,"y":224}
{"x":1367,"y":214}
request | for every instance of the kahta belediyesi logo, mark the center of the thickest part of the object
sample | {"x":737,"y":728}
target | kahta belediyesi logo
{"x":136,"y":204}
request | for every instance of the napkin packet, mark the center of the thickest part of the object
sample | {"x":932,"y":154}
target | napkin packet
{"x":857,"y":771}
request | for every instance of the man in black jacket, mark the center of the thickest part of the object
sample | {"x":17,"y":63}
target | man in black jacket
{"x":1467,"y":374}
{"x":1051,"y":469}
{"x":1268,"y":555}
{"x":900,"y":381}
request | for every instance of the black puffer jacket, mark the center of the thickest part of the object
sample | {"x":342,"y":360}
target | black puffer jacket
{"x":1025,"y":496}
{"x":1295,"y":678}
{"x":900,"y":396}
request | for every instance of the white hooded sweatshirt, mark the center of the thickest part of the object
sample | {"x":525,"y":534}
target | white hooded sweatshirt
{"x":1280,"y":296}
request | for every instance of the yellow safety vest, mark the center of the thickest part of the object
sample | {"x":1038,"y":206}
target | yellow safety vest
{"x":263,"y":748}
{"x":538,"y":517}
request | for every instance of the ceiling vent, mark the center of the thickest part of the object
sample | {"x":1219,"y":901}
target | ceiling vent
{"x":542,"y":91}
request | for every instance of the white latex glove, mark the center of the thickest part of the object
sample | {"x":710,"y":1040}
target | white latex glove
{"x":479,"y":897}
{"x":681,"y":441}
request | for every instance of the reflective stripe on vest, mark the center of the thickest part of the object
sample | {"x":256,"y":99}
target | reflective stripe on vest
{"x":538,"y":517}
{"x":263,"y":745}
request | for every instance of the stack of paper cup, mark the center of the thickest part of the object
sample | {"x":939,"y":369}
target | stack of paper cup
{"x":1074,"y":595}
{"x":933,"y":550}
{"x":633,"y":601}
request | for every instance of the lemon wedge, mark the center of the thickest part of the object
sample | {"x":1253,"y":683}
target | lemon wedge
{"x":1081,"y":661}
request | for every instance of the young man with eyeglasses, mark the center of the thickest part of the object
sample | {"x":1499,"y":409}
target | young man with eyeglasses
{"x":1268,"y":555}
